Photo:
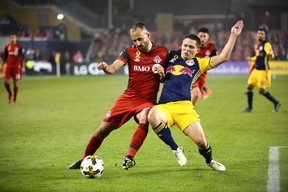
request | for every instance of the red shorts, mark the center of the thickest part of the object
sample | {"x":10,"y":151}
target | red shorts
{"x":13,"y":72}
{"x":200,"y":83}
{"x":126,"y":107}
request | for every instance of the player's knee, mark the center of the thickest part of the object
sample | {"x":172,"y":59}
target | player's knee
{"x":249,"y":87}
{"x":201,"y":142}
{"x":152,"y":115}
{"x":143,"y":115}
{"x":261,"y":91}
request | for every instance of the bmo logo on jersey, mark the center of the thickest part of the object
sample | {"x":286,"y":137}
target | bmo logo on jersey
{"x":157,"y":60}
{"x":141,"y":68}
{"x":146,"y":68}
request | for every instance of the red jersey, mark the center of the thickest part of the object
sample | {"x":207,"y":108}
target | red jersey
{"x":143,"y":84}
{"x":208,"y":51}
{"x":13,"y":55}
{"x":143,"y":78}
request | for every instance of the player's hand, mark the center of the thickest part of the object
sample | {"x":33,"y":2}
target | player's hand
{"x":102,"y":66}
{"x":23,"y":69}
{"x":161,"y":72}
{"x":237,"y":28}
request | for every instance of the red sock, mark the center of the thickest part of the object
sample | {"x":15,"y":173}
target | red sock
{"x":137,"y":139}
{"x":92,"y":146}
{"x":15,"y":94}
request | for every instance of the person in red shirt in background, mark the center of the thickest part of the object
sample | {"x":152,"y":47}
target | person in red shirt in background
{"x":13,"y":58}
{"x":207,"y":49}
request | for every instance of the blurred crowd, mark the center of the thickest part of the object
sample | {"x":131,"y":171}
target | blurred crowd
{"x":49,"y":33}
{"x":108,"y":45}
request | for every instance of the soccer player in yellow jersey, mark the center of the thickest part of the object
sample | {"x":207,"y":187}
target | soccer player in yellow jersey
{"x":261,"y":75}
{"x":175,"y":106}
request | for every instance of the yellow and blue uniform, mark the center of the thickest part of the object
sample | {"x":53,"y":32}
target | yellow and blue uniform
{"x":175,"y":100}
{"x":261,"y":75}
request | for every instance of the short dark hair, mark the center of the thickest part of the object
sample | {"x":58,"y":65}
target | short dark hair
{"x":203,"y":30}
{"x":194,"y":37}
{"x":262,"y":29}
{"x":140,"y":25}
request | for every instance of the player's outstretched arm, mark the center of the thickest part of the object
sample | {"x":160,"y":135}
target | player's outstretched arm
{"x":227,"y":50}
{"x":110,"y":69}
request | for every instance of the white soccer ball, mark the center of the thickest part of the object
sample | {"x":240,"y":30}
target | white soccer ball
{"x":92,"y":166}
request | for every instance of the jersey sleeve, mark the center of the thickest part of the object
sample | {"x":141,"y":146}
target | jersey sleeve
{"x":268,"y":49}
{"x":124,"y":56}
{"x":5,"y":54}
{"x":204,"y":64}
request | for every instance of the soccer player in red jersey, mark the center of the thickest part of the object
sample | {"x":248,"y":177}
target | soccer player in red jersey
{"x":13,"y":57}
{"x":207,"y":49}
{"x":143,"y":58}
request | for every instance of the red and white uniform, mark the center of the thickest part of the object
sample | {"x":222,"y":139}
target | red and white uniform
{"x":208,"y":51}
{"x":12,"y":57}
{"x":143,"y":84}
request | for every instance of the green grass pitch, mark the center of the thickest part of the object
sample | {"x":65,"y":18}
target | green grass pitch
{"x":50,"y":125}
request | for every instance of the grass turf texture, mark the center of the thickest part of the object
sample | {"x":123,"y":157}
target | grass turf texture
{"x":50,"y":125}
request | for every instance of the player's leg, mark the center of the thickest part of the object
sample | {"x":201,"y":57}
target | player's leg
{"x":95,"y":141}
{"x":7,"y":76}
{"x":137,"y":139}
{"x":15,"y":90}
{"x":249,"y":94}
{"x":204,"y":89}
{"x":195,"y":132}
{"x":266,"y":82}
{"x":206,"y":93}
{"x":269,"y":96}
{"x":8,"y":89}
{"x":158,"y":121}
{"x":253,"y":81}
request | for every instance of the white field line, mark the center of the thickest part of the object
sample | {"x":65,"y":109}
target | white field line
{"x":273,"y":170}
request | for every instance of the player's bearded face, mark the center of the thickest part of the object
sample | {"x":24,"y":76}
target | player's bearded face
{"x":141,"y":40}
{"x":143,"y":46}
{"x":261,"y":36}
{"x":188,"y":49}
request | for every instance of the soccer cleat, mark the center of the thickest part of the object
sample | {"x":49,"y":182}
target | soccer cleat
{"x":181,"y":159}
{"x":247,"y":110}
{"x":75,"y":165}
{"x":206,"y":94}
{"x":128,"y":162}
{"x":276,"y":107}
{"x":216,"y":166}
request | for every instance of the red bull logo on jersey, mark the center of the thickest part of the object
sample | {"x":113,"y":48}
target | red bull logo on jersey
{"x":190,"y":62}
{"x":179,"y":70}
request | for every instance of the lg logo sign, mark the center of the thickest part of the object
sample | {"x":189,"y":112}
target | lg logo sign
{"x":90,"y":69}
